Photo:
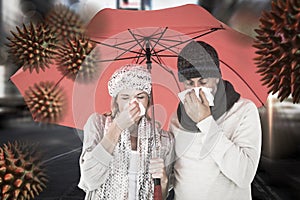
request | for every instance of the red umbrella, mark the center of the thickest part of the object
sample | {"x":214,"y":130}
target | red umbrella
{"x":151,"y":37}
{"x":121,"y":37}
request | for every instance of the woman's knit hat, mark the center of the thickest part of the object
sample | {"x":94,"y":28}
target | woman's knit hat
{"x":130,"y":76}
{"x":198,"y":59}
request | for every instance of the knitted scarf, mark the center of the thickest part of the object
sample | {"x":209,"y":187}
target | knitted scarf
{"x":224,"y":99}
{"x":116,"y":185}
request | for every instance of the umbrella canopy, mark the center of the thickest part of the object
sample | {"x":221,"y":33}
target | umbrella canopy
{"x":126,"y":36}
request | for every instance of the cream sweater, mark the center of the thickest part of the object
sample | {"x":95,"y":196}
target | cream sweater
{"x":221,"y":160}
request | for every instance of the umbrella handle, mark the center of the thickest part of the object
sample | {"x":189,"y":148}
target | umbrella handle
{"x":157,"y":189}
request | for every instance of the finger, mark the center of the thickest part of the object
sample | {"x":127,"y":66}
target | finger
{"x":156,"y":166}
{"x":194,"y":97}
{"x":133,"y":106}
{"x":136,"y":117}
{"x":156,"y":171}
{"x":156,"y":160}
{"x":134,"y":113}
{"x":161,"y":174}
{"x":188,"y":98}
{"x":126,"y":107}
{"x":134,"y":110}
{"x":187,"y":106}
{"x":203,"y":97}
{"x":157,"y":175}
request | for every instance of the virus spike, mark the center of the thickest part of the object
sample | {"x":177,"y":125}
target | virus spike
{"x":77,"y":60}
{"x":64,"y":22}
{"x":32,"y":47}
{"x":46,"y":102}
{"x":278,"y":43}
{"x":16,"y":185}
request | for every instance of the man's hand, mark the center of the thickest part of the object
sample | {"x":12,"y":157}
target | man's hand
{"x":197,"y":109}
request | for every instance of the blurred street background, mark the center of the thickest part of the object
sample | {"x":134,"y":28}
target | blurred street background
{"x":278,"y":176}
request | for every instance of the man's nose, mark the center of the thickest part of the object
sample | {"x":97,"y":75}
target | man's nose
{"x":197,"y":84}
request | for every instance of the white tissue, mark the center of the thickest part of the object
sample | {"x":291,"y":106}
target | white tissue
{"x":142,"y":108}
{"x":207,"y":91}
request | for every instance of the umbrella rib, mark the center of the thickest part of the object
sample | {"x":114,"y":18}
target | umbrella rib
{"x":169,"y":71}
{"x":181,"y":42}
{"x":133,"y":35}
{"x":57,"y":83}
{"x":146,"y":39}
{"x":242,"y":80}
{"x":144,"y":58}
{"x":156,"y":41}
{"x":211,"y":31}
{"x":141,"y":54}
{"x":167,"y":56}
{"x":118,"y":59}
{"x":129,"y":50}
{"x":153,"y":34}
{"x":165,"y":48}
{"x":116,"y":47}
{"x":159,"y":38}
{"x":201,"y":35}
{"x":61,"y":155}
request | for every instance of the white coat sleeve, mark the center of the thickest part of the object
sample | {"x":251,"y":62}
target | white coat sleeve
{"x":237,"y":157}
{"x":94,"y":159}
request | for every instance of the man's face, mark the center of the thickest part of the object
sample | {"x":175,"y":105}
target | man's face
{"x":202,"y":82}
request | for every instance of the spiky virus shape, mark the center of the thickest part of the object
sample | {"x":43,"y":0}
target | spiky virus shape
{"x":22,"y":174}
{"x":64,"y":22}
{"x":34,"y":47}
{"x":77,"y":60}
{"x":46,"y":102}
{"x":278,"y":44}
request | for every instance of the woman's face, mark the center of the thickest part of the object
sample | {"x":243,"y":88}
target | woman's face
{"x":202,"y":82}
{"x":125,"y":97}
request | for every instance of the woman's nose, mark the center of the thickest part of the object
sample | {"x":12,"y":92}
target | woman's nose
{"x":133,"y":99}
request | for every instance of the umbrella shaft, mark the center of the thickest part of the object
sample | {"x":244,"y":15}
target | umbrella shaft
{"x":157,"y":189}
{"x":148,"y":56}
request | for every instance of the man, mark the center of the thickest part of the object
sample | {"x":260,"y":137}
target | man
{"x":217,"y":147}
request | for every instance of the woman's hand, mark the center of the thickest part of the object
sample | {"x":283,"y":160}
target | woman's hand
{"x":157,"y":169}
{"x":128,"y":116}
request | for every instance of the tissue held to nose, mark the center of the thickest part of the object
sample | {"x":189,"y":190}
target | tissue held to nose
{"x":142,"y":108}
{"x":207,"y":92}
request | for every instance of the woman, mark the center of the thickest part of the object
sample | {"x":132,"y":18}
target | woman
{"x":116,"y":161}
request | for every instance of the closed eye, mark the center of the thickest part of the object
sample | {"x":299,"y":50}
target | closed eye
{"x":124,"y":96}
{"x":191,"y":83}
{"x":141,"y":96}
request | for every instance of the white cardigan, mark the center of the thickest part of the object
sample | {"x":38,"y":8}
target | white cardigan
{"x":94,"y":160}
{"x":221,"y":160}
